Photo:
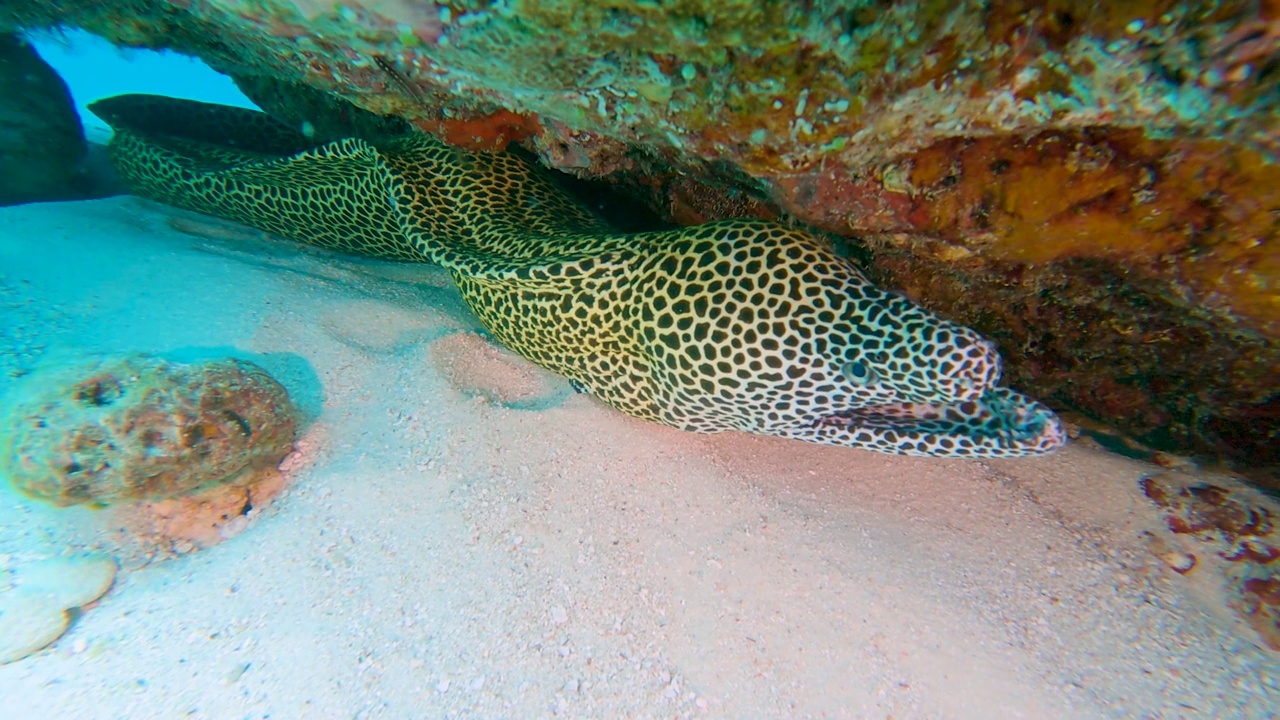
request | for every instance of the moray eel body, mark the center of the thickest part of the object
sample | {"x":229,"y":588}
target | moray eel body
{"x":734,"y":325}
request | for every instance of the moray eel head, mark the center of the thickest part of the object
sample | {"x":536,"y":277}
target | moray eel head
{"x":761,"y":328}
{"x":908,"y":382}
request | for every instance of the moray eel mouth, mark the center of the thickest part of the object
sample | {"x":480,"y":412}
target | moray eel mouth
{"x":1000,"y":415}
{"x":741,"y":325}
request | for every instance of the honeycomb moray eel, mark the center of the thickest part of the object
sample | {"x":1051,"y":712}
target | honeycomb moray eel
{"x":733,"y":325}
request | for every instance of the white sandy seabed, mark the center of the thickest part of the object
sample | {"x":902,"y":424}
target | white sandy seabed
{"x":440,"y":554}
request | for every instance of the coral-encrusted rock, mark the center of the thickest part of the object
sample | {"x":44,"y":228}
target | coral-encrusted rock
{"x":42,"y":143}
{"x":133,"y":428}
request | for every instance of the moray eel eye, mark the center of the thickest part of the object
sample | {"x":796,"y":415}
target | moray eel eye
{"x":856,"y":371}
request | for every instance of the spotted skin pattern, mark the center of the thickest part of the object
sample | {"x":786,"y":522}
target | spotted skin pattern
{"x":733,"y":325}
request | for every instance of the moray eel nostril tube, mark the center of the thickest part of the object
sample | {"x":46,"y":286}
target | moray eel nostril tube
{"x":732,"y":325}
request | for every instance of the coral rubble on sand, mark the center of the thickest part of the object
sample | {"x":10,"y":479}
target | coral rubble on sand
{"x":1230,"y":527}
{"x":137,"y":427}
{"x":1091,"y":184}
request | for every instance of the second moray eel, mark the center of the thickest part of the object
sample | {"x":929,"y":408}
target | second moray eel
{"x":735,"y":325}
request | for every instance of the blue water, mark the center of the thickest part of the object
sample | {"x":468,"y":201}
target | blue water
{"x":94,"y":68}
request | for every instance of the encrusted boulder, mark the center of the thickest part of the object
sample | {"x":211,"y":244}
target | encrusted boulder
{"x":142,"y":428}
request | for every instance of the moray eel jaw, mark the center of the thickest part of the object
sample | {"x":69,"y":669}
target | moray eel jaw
{"x":1002,"y":423}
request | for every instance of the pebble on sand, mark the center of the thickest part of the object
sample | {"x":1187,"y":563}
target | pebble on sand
{"x":35,"y":608}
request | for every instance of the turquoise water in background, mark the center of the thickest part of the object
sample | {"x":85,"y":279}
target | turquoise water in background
{"x":94,"y":68}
